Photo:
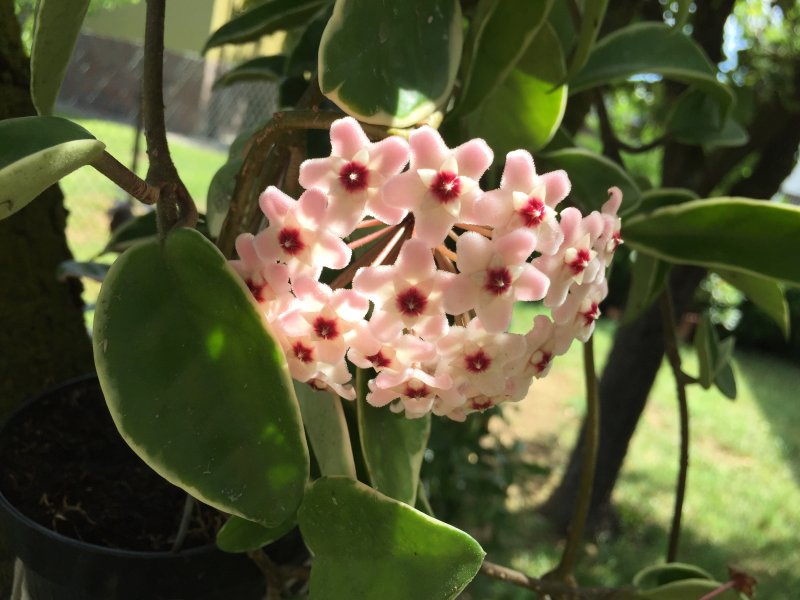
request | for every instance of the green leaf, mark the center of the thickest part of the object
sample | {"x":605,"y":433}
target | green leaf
{"x":696,"y":118}
{"x":499,"y":37}
{"x":705,"y":345}
{"x":657,"y":575}
{"x":689,"y":589}
{"x":726,"y":382}
{"x":525,"y":111}
{"x":738,"y":234}
{"x":194,"y":381}
{"x":592,"y":18}
{"x":649,"y":276}
{"x":263,"y":68}
{"x":241,"y":535}
{"x":764,"y":293}
{"x":220,"y":192}
{"x":390,"y":63}
{"x":660,"y":197}
{"x":371,"y":547}
{"x":35,"y":152}
{"x":591,"y":176}
{"x":682,"y":16}
{"x":73,"y":269}
{"x":393,"y":447}
{"x":142,"y":228}
{"x":305,"y":54}
{"x":327,"y":431}
{"x":263,"y":19}
{"x":651,"y":48}
{"x":55,"y":31}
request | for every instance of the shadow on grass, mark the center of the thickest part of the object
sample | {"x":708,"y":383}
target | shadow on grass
{"x":775,"y":385}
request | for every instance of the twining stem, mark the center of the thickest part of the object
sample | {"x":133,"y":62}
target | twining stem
{"x":126,"y":179}
{"x":553,"y":588}
{"x":564,"y":571}
{"x":674,"y":358}
{"x":175,"y":206}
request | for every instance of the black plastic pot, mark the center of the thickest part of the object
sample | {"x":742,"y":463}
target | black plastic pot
{"x":55,"y":567}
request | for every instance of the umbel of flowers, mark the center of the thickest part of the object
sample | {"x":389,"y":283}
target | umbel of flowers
{"x":423,"y":269}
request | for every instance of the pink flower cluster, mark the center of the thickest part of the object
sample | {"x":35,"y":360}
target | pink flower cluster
{"x":423,"y":270}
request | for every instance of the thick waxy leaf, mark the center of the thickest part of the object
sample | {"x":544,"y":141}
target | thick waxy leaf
{"x":651,"y":48}
{"x":371,"y":547}
{"x":738,"y":234}
{"x":714,"y":357}
{"x":393,"y":447}
{"x":220,"y":192}
{"x":764,"y":293}
{"x":657,"y":575}
{"x":591,"y":20}
{"x":591,"y":176}
{"x":263,"y":19}
{"x":499,"y":36}
{"x":305,"y":54}
{"x":263,"y":68}
{"x":660,"y":197}
{"x":697,"y":118}
{"x":327,"y":431}
{"x":649,"y":275}
{"x":35,"y":152}
{"x":390,"y":63}
{"x":141,"y":228}
{"x":196,"y":384}
{"x":689,"y":589}
{"x":525,"y":111}
{"x":241,"y":535}
{"x":58,"y":23}
{"x":726,"y":382}
{"x":73,"y":269}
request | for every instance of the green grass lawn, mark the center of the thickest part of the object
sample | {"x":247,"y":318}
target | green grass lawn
{"x":743,"y":501}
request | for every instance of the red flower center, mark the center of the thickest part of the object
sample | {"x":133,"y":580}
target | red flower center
{"x":415,"y":392}
{"x":303,"y":353}
{"x":256,"y":289}
{"x":616,"y":240}
{"x":354,"y":176}
{"x":477,"y":362}
{"x":446,"y":186}
{"x":581,"y":260}
{"x":411,"y":302}
{"x":480,"y":403}
{"x":591,"y":314}
{"x":533,"y":212}
{"x":326,"y":328}
{"x":544,"y":361}
{"x":379,"y":360}
{"x":290,"y":241}
{"x":498,"y":281}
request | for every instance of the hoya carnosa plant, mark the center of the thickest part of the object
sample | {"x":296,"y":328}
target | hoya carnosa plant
{"x":423,"y":268}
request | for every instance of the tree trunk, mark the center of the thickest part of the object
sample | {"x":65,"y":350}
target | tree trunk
{"x":42,"y":338}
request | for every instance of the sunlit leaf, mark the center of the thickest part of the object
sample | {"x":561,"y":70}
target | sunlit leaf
{"x":738,"y":234}
{"x":390,"y":64}
{"x":35,"y":152}
{"x":366,"y":545}
{"x":764,"y":293}
{"x":264,"y":18}
{"x":55,"y":31}
{"x":656,"y":575}
{"x":651,"y":48}
{"x":591,"y":176}
{"x":499,"y":36}
{"x":393,"y":447}
{"x":525,"y":110}
{"x":195,"y":383}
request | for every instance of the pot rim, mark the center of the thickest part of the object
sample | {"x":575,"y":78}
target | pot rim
{"x":6,"y":506}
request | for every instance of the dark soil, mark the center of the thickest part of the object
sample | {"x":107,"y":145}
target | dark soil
{"x":65,"y":466}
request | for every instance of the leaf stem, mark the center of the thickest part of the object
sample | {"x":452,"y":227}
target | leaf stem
{"x":674,"y":358}
{"x":183,"y":528}
{"x":126,"y":179}
{"x":552,"y":588}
